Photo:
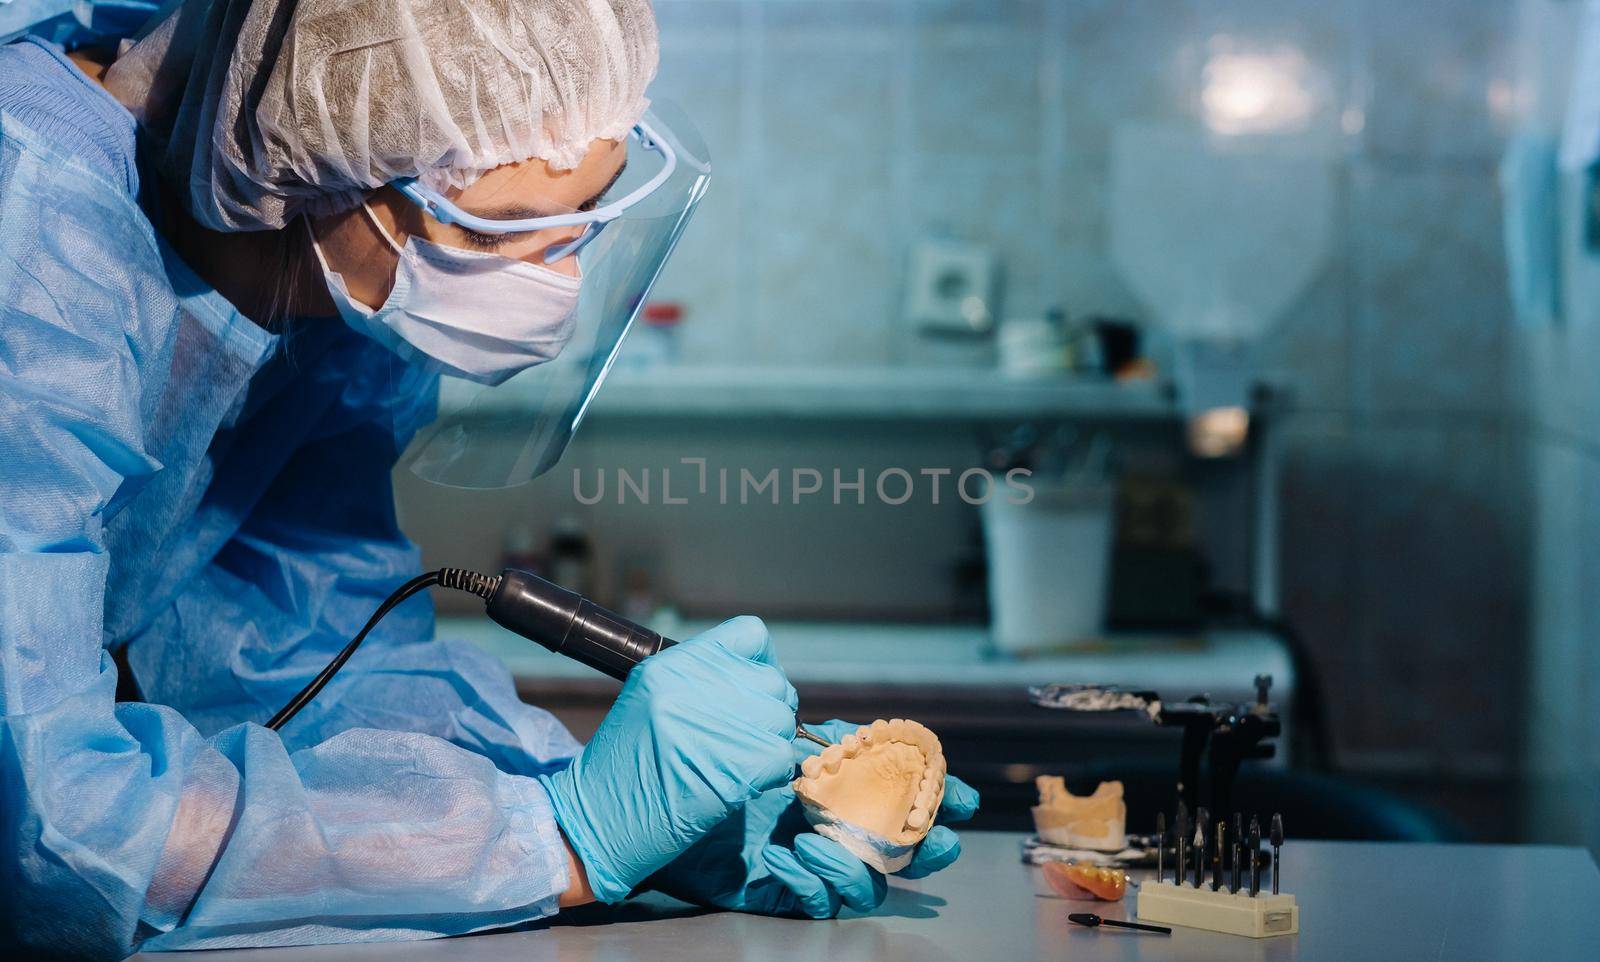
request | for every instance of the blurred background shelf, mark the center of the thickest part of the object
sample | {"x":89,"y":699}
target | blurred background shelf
{"x":1221,"y":662}
{"x":900,"y":393}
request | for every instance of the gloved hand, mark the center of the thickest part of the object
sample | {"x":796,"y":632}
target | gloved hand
{"x":765,"y":858}
{"x":699,"y":730}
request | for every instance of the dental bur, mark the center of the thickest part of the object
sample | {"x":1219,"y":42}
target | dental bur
{"x":1253,"y":848}
{"x":1277,"y":849}
{"x":1182,"y":839}
{"x":1161,"y":847}
{"x":1222,"y":846}
{"x":1238,"y":851}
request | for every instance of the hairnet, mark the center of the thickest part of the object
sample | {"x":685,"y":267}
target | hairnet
{"x":260,"y":110}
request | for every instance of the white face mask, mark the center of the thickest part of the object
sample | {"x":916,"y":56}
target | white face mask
{"x":477,"y":315}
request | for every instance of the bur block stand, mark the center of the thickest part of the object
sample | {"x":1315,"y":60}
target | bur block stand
{"x":1235,"y":913}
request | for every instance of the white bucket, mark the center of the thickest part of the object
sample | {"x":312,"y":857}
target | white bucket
{"x":1049,"y":565}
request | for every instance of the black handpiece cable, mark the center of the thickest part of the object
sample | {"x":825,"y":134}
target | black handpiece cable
{"x":563,"y":621}
{"x":479,"y":584}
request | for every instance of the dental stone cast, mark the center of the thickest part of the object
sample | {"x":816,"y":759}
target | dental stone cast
{"x":876,"y":792}
{"x":1097,"y":821}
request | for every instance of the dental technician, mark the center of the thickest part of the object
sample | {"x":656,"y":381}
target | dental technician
{"x":238,"y":252}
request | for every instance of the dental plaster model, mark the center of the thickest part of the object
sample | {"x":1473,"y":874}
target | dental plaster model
{"x":876,"y":792}
{"x":1097,"y":821}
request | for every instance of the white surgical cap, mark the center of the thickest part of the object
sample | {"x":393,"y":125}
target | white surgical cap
{"x":260,"y":110}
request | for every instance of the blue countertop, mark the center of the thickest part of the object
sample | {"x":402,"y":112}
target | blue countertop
{"x":1357,"y":901}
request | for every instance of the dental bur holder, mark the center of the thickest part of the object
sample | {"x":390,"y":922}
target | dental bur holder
{"x":1235,"y":913}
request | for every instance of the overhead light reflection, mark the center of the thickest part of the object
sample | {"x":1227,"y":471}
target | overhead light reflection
{"x":1219,"y":432}
{"x":1256,"y":92}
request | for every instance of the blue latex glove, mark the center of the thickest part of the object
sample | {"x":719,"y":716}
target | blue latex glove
{"x":765,"y":858}
{"x":699,"y":730}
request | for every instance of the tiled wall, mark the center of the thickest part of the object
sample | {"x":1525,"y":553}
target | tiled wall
{"x":843,"y":130}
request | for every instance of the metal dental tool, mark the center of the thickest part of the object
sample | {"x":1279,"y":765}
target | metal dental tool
{"x":1202,"y":828}
{"x":813,"y":738}
{"x":563,"y":621}
{"x":1277,"y":849}
{"x":1161,"y":847}
{"x":1253,"y":848}
{"x":1183,"y":839}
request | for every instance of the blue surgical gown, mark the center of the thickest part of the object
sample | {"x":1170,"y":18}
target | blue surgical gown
{"x":214,"y":502}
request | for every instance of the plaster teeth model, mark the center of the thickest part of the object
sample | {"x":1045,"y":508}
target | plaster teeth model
{"x":1097,"y":821}
{"x":876,"y":792}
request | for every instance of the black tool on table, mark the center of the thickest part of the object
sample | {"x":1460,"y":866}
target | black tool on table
{"x":1161,"y":846}
{"x":1277,"y":849}
{"x":1202,"y":828}
{"x":1183,"y":840}
{"x":1091,"y":920}
{"x":1238,"y":851}
{"x":1254,"y":848}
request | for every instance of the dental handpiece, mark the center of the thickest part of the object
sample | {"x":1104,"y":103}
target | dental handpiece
{"x":569,"y":624}
{"x":561,"y":620}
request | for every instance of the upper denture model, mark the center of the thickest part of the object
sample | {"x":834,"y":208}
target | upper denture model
{"x":877,"y":791}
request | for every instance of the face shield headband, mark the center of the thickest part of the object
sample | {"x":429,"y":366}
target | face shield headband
{"x":643,"y":135}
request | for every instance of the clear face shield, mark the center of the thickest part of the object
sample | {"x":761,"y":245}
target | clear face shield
{"x":494,"y":436}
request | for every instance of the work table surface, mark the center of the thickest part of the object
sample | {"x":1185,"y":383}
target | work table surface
{"x":1357,"y":901}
